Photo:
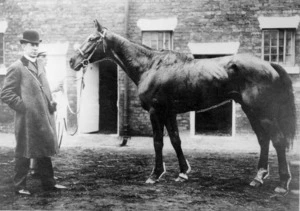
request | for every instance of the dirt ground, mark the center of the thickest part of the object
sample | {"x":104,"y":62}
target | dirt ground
{"x":100,"y":175}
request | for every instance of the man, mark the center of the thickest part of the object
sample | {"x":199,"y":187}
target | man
{"x":42,"y":55}
{"x":26,"y":90}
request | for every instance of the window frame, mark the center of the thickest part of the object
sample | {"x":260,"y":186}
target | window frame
{"x":165,"y":32}
{"x":2,"y":48}
{"x":293,"y":45}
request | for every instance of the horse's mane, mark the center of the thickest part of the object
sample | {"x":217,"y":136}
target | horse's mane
{"x":166,"y":54}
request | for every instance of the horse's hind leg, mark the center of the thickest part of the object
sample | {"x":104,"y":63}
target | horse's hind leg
{"x":263,"y":137}
{"x":157,"y":121}
{"x":279,"y":144}
{"x":171,"y":125}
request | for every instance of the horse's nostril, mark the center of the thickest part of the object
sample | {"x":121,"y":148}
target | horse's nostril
{"x":71,"y":62}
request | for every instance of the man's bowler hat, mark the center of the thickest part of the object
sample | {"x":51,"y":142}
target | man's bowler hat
{"x":30,"y":36}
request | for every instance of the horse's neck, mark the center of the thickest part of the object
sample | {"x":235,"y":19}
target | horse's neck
{"x":133,"y":58}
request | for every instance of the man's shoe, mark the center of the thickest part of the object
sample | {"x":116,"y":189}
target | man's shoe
{"x":55,"y":188}
{"x":23,"y":192}
{"x":60,"y":186}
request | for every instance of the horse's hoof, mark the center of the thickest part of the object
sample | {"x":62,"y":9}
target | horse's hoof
{"x":255,"y":183}
{"x":181,"y":178}
{"x":280,"y":190}
{"x":189,"y":167}
{"x":260,"y":176}
{"x":150,"y":181}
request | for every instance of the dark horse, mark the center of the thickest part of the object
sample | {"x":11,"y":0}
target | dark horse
{"x":170,"y":83}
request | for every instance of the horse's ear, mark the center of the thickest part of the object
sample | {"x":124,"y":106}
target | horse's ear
{"x":97,"y":25}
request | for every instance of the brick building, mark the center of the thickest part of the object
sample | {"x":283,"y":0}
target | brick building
{"x":201,"y":27}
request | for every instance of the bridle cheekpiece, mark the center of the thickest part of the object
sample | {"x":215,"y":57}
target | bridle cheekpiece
{"x":85,"y":62}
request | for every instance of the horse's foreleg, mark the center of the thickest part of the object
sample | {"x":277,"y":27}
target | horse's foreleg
{"x":171,"y":125}
{"x":157,"y":121}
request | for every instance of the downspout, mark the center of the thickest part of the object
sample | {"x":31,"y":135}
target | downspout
{"x":126,"y":135}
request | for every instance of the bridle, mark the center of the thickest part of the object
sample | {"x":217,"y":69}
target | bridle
{"x":85,"y":62}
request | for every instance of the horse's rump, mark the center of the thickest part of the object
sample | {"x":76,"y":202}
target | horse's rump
{"x":277,"y":98}
{"x":287,"y":111}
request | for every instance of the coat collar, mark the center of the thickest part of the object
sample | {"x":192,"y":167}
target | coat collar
{"x":34,"y":67}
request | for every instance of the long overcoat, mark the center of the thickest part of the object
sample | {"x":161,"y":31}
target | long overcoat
{"x":35,"y":128}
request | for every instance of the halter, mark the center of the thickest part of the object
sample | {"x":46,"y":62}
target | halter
{"x":86,"y":62}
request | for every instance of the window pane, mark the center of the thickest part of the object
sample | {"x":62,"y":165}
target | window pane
{"x":274,"y":38}
{"x":266,"y":50}
{"x":160,"y":40}
{"x":1,"y":48}
{"x":146,"y":38}
{"x":281,"y":58}
{"x":280,"y":50}
{"x":274,"y":50}
{"x":288,"y":46}
{"x":288,"y":60}
{"x":157,"y":40}
{"x":274,"y":58}
{"x":266,"y":35}
{"x":281,"y":38}
{"x":167,"y":43}
{"x":153,"y":40}
{"x":153,"y":44}
{"x":288,"y":35}
{"x":266,"y":38}
{"x":267,"y":58}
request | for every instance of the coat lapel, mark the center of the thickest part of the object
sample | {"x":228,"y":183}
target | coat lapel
{"x":29,"y":65}
{"x":32,"y":68}
{"x":40,"y":67}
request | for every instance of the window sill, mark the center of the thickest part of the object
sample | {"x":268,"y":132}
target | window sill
{"x":292,"y":69}
{"x":2,"y":69}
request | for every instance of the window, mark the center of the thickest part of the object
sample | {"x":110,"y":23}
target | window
{"x":1,"y":48}
{"x":158,"y":39}
{"x":278,"y":45}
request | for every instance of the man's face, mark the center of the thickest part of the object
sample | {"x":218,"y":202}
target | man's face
{"x":30,"y":49}
{"x":44,"y":59}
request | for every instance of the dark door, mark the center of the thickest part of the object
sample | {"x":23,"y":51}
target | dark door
{"x":217,"y":121}
{"x":108,"y":93}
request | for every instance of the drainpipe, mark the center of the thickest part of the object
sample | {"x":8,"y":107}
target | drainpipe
{"x":126,"y":135}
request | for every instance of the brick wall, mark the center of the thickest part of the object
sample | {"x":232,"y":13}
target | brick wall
{"x":198,"y":21}
{"x":58,"y":21}
{"x":211,"y":21}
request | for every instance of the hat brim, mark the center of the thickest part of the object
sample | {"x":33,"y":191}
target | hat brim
{"x":29,"y":41}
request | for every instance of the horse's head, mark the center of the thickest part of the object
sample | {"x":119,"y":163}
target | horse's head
{"x":85,"y":54}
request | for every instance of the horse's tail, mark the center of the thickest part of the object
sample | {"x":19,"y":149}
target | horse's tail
{"x":287,"y":111}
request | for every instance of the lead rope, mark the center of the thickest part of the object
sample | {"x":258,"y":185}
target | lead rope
{"x":213,"y":107}
{"x":64,"y":121}
{"x":84,"y":63}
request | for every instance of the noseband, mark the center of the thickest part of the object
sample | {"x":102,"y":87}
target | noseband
{"x":86,"y":62}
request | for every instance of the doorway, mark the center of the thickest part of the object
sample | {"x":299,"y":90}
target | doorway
{"x":108,"y":98}
{"x":217,"y":121}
